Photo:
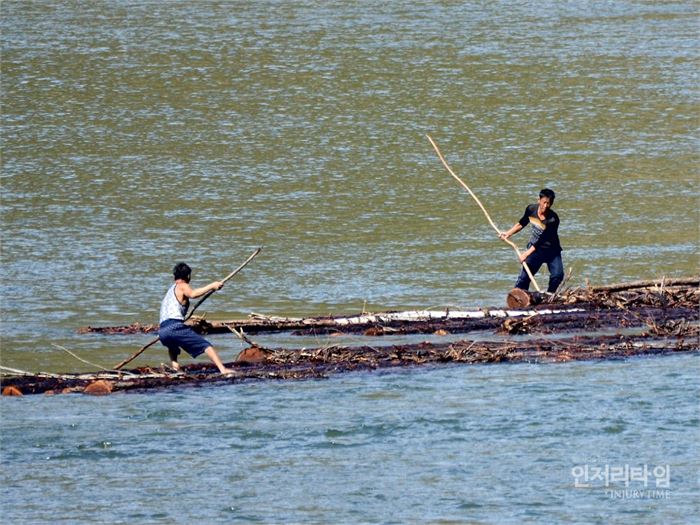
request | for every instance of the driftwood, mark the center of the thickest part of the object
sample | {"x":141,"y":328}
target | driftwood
{"x":549,"y":321}
{"x":657,"y":283}
{"x":518,"y":298}
{"x":679,"y":293}
{"x":285,"y":364}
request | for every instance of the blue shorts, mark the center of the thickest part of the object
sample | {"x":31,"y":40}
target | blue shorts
{"x":175,"y":334}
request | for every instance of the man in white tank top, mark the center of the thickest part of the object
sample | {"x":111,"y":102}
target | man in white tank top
{"x":173,"y":332}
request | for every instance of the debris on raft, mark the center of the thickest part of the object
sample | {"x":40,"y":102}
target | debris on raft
{"x":617,"y":305}
{"x":258,"y":364}
{"x":664,"y":317}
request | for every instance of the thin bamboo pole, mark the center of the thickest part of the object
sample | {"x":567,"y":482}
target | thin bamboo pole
{"x":224,"y":280}
{"x":488,"y":217}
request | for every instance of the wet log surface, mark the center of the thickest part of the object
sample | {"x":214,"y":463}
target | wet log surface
{"x":575,"y":309}
{"x":543,"y":320}
{"x":285,"y":364}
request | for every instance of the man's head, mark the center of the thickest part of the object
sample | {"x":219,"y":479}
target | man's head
{"x":182,"y":271}
{"x":546,"y":200}
{"x":546,"y":192}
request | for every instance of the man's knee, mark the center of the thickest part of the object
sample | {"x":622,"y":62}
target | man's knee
{"x":556,"y":268}
{"x":523,"y":281}
{"x":555,"y":280}
{"x":211,"y":353}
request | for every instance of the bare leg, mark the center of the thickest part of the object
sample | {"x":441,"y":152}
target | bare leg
{"x":211,"y":353}
{"x":173,"y":359}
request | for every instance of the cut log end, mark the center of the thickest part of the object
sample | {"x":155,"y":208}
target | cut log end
{"x":518,"y":298}
{"x":98,"y":388}
{"x":251,"y":355}
{"x":11,"y":391}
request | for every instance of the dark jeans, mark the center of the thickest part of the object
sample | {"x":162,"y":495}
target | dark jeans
{"x":535,"y":261}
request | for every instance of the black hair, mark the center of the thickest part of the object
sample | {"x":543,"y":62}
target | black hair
{"x":182,"y":271}
{"x":546,"y":192}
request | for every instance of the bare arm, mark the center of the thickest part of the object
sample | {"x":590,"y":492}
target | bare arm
{"x":524,"y":255}
{"x":515,"y":229}
{"x":192,"y":293}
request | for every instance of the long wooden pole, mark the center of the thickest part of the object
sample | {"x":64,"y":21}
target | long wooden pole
{"x":224,"y":280}
{"x":154,"y":341}
{"x":488,"y":217}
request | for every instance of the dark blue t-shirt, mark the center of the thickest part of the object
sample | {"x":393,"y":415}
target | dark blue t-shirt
{"x":545,"y":234}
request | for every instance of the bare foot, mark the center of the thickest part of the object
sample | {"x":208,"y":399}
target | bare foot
{"x":228,"y":372}
{"x":175,"y":366}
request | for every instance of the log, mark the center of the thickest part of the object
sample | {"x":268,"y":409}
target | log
{"x":519,"y":298}
{"x":308,"y":363}
{"x":252,"y":355}
{"x":99,"y":388}
{"x":618,"y":287}
{"x":679,"y":296}
{"x":11,"y":391}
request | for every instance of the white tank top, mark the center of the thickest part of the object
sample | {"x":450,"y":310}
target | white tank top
{"x":171,"y":308}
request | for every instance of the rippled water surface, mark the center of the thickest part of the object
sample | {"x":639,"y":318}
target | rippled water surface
{"x":479,"y":444}
{"x":137,"y":134}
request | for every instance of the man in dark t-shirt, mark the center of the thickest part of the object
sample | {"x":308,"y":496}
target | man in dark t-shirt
{"x":544,"y":246}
